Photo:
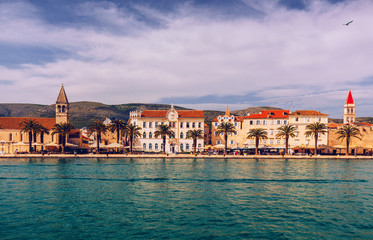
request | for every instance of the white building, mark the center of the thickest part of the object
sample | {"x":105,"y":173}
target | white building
{"x":181,"y":121}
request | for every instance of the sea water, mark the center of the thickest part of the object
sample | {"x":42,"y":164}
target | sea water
{"x":159,"y":198}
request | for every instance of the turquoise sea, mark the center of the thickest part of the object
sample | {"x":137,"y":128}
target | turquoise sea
{"x":133,"y":198}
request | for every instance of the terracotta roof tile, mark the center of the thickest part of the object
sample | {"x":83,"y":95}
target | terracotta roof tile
{"x":14,"y":122}
{"x":182,"y":113}
{"x":308,"y":113}
{"x":269,"y":114}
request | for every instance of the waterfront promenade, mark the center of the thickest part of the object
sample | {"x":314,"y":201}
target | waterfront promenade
{"x":199,"y":156}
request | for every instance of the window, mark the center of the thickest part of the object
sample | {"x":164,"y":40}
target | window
{"x":150,"y":146}
{"x":215,"y":133}
{"x":156,"y":124}
{"x":187,"y":146}
{"x":156,"y":146}
{"x":264,"y":122}
{"x":199,"y":125}
{"x":144,"y":146}
{"x":278,"y":122}
{"x":181,"y":135}
{"x":216,"y":124}
{"x":285,"y":122}
{"x":150,"y":135}
{"x":144,"y":135}
{"x":181,"y":125}
{"x":144,"y":124}
{"x":296,"y":119}
{"x":236,"y":124}
{"x":218,"y":142}
{"x":251,"y":122}
{"x":199,"y":145}
{"x":10,"y":137}
{"x":150,"y":125}
{"x":193,"y":124}
{"x":187,"y":124}
{"x":181,"y":147}
{"x":270,"y":141}
{"x":308,"y":119}
{"x":232,"y":142}
{"x":251,"y":141}
{"x":257,"y":122}
{"x":278,"y":141}
{"x":264,"y":141}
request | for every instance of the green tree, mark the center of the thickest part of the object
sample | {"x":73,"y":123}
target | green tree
{"x":62,"y":129}
{"x":257,"y":134}
{"x":286,"y":131}
{"x":194,"y":134}
{"x":132,"y":132}
{"x":99,"y":128}
{"x":41,"y":130}
{"x":117,"y":126}
{"x":347,"y":132}
{"x":164,"y":130}
{"x":29,"y":126}
{"x":225,"y":128}
{"x":314,"y":130}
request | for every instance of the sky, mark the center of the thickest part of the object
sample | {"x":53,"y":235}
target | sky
{"x":201,"y":54}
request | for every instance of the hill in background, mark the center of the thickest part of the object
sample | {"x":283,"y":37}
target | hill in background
{"x":84,"y":113}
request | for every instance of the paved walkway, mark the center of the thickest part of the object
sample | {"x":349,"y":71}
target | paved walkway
{"x":180,"y":156}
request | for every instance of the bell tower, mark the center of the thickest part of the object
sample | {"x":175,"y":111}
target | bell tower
{"x":349,"y":109}
{"x":62,"y":107}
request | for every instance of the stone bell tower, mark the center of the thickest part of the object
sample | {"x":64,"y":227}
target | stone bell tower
{"x":62,"y":107}
{"x":349,"y":109}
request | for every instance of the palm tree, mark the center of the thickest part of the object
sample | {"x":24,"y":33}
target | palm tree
{"x":315,"y":129}
{"x":41,"y":131}
{"x":62,"y":129}
{"x":348,"y":132}
{"x":286,"y":131}
{"x":164,"y":130}
{"x":132,"y":132}
{"x":195,"y":134}
{"x":117,"y":126}
{"x":99,"y":128}
{"x":257,"y":134}
{"x":29,"y":126}
{"x":225,"y":128}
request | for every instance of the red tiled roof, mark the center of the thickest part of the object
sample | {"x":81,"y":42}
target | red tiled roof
{"x":14,"y":122}
{"x":349,"y":99}
{"x":308,"y":113}
{"x":182,"y":113}
{"x":269,"y":114}
{"x":333,"y":125}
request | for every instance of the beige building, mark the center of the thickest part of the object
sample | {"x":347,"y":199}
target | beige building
{"x":234,"y":139}
{"x":13,"y":140}
{"x":300,"y":119}
{"x":181,"y":121}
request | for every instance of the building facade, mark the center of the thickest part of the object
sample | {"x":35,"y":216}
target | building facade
{"x":13,"y":140}
{"x":181,"y":121}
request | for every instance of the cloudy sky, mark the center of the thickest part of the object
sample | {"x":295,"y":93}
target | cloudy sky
{"x":203,"y":54}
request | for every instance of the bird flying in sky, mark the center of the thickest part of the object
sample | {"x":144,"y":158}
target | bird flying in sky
{"x":346,"y":24}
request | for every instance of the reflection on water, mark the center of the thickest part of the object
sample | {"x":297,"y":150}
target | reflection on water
{"x":185,"y":198}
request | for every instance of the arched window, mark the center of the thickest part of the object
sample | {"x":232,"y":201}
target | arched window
{"x":144,"y":135}
{"x":181,"y":147}
{"x":150,"y":146}
{"x":156,"y":146}
{"x":181,"y":135}
{"x":63,"y":108}
{"x":187,"y":146}
{"x":199,"y":145}
{"x":59,"y":108}
{"x":144,"y":146}
{"x":150,"y":135}
{"x":162,"y":146}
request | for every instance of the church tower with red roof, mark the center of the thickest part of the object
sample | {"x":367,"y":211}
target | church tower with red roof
{"x":62,"y":107}
{"x":349,"y":109}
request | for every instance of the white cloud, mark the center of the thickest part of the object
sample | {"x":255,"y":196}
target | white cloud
{"x":288,"y":57}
